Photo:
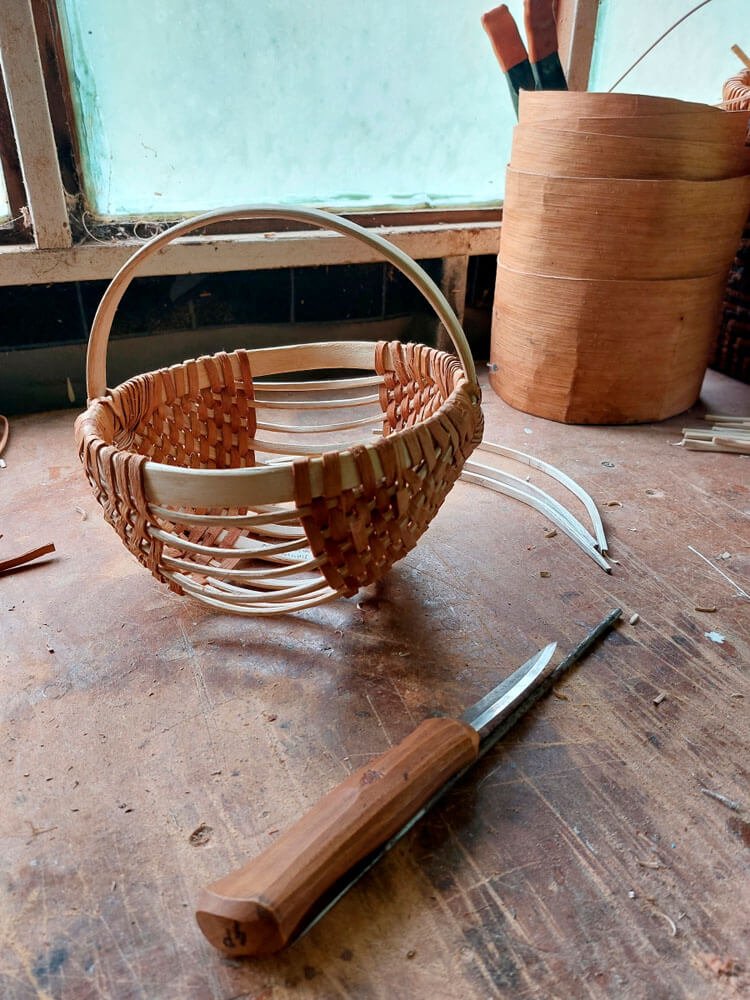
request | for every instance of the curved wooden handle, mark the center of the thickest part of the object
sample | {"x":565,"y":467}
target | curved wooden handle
{"x":257,"y":909}
{"x":96,"y":358}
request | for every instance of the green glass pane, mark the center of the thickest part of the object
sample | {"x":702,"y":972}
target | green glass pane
{"x":185,"y":105}
{"x":691,"y":63}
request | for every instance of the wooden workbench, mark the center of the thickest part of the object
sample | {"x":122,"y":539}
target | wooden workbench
{"x":582,"y":860}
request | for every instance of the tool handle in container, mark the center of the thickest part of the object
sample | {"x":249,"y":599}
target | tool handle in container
{"x":259,"y":908}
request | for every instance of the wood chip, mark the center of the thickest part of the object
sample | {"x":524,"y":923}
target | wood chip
{"x":550,"y":533}
{"x":200,"y":835}
{"x":544,"y":573}
{"x":8,"y":565}
{"x":708,"y":608}
{"x":721,"y":965}
{"x":660,"y":698}
{"x":724,"y":799}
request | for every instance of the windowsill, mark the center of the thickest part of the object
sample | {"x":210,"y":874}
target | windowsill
{"x":419,"y":236}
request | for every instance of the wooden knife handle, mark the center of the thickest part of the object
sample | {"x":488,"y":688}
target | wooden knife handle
{"x":257,"y":909}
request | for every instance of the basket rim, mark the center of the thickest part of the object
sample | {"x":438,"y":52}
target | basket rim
{"x":175,"y":485}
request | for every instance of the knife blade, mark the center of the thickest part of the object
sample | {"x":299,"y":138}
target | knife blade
{"x":279,"y":895}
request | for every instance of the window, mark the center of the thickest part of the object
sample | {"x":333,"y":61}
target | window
{"x":691,"y":63}
{"x":183,"y":106}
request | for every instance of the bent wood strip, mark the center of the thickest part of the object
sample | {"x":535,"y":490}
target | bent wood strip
{"x":253,"y":593}
{"x":261,"y":552}
{"x":342,"y":425}
{"x":489,"y":479}
{"x":577,"y":531}
{"x":227,"y":520}
{"x":565,"y":480}
{"x":96,"y":360}
{"x":326,"y":594}
{"x":313,"y":386}
{"x":312,"y":404}
{"x":243,"y":574}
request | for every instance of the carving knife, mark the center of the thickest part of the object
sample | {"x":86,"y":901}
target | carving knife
{"x":279,"y":895}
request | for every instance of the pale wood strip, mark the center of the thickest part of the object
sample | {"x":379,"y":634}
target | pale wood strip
{"x":565,"y":480}
{"x":244,"y":574}
{"x":96,"y":360}
{"x":237,"y":597}
{"x":311,"y":385}
{"x":343,"y":425}
{"x":312,"y":404}
{"x":262,"y":552}
{"x":491,"y":481}
{"x":577,"y":531}
{"x":227,"y":520}
{"x":273,"y":609}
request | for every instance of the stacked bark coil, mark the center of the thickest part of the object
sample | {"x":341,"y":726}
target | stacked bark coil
{"x":622,"y":215}
{"x":732,"y":352}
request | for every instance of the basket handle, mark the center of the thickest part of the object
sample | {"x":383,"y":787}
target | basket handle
{"x":96,"y":358}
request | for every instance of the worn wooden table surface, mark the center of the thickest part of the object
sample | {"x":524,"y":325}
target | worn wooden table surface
{"x":582,"y":860}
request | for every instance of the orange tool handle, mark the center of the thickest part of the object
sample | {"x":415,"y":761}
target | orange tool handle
{"x":259,"y":908}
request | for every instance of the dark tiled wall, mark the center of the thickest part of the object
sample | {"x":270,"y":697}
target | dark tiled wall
{"x":36,"y":315}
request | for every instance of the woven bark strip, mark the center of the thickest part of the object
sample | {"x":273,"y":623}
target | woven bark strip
{"x":376,"y":524}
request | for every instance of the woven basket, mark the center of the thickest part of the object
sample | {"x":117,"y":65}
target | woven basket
{"x":215,"y":478}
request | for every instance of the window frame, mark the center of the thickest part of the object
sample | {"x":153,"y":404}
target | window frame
{"x":41,"y":170}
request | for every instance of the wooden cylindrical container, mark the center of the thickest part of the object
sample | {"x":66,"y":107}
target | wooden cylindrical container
{"x":622,"y":214}
{"x":588,"y":351}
